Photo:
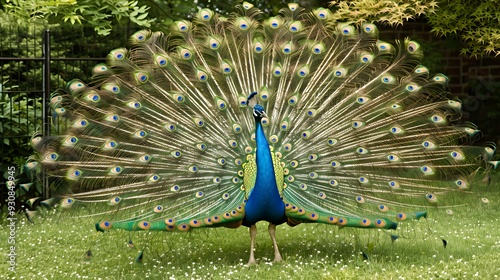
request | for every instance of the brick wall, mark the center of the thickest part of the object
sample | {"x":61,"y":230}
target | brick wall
{"x":476,"y":81}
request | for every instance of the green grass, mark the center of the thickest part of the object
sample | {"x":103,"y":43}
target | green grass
{"x":54,"y":248}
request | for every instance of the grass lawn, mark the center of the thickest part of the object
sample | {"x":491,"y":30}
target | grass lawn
{"x":54,"y":248}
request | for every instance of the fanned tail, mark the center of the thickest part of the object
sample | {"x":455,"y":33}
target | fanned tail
{"x":162,"y":138}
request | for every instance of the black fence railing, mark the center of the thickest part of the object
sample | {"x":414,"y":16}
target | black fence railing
{"x":33,"y":63}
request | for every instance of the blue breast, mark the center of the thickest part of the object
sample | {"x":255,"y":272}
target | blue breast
{"x":264,"y":203}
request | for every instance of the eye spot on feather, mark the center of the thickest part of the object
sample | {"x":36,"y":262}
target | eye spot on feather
{"x":369,"y":28}
{"x":134,"y":105}
{"x":233,"y":143}
{"x":154,"y":178}
{"x":290,"y":178}
{"x":176,"y":154}
{"x":94,"y":97}
{"x":193,"y":168}
{"x":141,"y":77}
{"x":70,"y":141}
{"x":362,"y":100}
{"x":170,"y":127}
{"x":485,"y":200}
{"x":199,"y":194}
{"x":116,"y":170}
{"x":401,"y":216}
{"x":457,"y":155}
{"x":383,"y":208}
{"x":201,"y":146}
{"x":360,"y":199}
{"x":105,"y":225}
{"x":273,"y":139}
{"x":427,"y":170}
{"x":339,"y":72}
{"x":145,"y":158}
{"x":216,"y":180}
{"x":51,"y":156}
{"x":322,"y":13}
{"x":113,"y":118}
{"x":235,"y":180}
{"x":357,"y":124}
{"x":305,"y":134}
{"x":313,"y":175}
{"x":461,"y":184}
{"x":334,"y":183}
{"x":221,"y":104}
{"x":363,"y":180}
{"x":335,"y":164}
{"x":380,"y":223}
{"x":312,"y":157}
{"x":287,"y":49}
{"x":412,"y":47}
{"x":347,"y":30}
{"x":274,"y":23}
{"x":365,"y":222}
{"x":388,"y":79}
{"x":158,"y":209}
{"x":258,"y":48}
{"x":393,"y":158}
{"x":342,"y":221}
{"x":287,"y":147}
{"x":199,"y":122}
{"x":182,"y":26}
{"x":322,"y":195}
{"x":431,"y":198}
{"x":428,"y":144}
{"x":311,"y":113}
{"x":80,"y":123}
{"x":284,"y":126}
{"x":67,"y":203}
{"x":214,"y":44}
{"x":115,"y":200}
{"x":206,"y":14}
{"x":74,"y":174}
{"x":243,"y":24}
{"x":202,"y":76}
{"x":161,"y":61}
{"x":277,"y":71}
{"x":394,"y":185}
{"x":295,"y":27}
{"x":362,"y":151}
{"x":331,"y":142}
{"x":438,"y":119}
{"x":294,"y":164}
{"x":225,"y":196}
{"x":185,"y":54}
{"x":140,"y":134}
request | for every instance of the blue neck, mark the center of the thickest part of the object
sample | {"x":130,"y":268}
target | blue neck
{"x":264,"y":202}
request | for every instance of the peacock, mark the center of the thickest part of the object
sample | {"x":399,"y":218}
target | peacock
{"x":230,"y":121}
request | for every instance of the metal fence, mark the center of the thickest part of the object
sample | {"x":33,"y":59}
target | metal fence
{"x":33,"y":63}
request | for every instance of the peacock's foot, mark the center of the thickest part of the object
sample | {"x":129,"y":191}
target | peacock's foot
{"x":277,"y":258}
{"x":251,"y":261}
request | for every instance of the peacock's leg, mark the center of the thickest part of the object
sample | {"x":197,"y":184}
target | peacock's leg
{"x":272,"y":232}
{"x":253,"y":233}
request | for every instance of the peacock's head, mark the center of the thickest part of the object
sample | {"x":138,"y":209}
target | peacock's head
{"x":258,"y":111}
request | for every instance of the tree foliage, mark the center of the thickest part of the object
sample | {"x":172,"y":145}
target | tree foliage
{"x":102,"y":15}
{"x":476,"y":22}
